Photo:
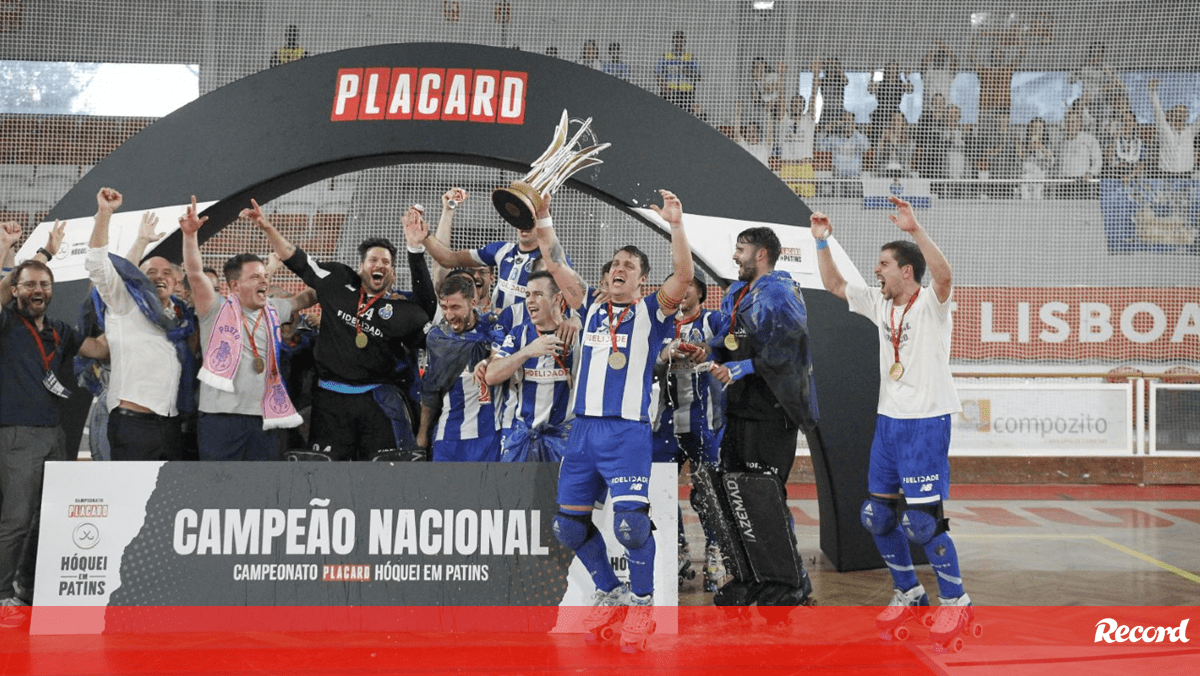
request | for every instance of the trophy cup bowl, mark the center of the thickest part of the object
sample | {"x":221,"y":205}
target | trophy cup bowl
{"x":520,"y":201}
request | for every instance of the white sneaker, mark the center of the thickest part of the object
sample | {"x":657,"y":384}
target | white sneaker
{"x":639,"y":624}
{"x":608,"y":608}
{"x":901,"y":608}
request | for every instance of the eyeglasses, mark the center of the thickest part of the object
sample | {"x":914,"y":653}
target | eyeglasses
{"x":35,"y":285}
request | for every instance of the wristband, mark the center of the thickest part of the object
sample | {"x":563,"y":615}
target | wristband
{"x":5,"y":271}
{"x":740,"y":369}
{"x":546,"y":222}
{"x":418,"y":249}
{"x":45,"y":252}
{"x":822,"y":243}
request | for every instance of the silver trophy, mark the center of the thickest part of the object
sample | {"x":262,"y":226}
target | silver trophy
{"x":521,"y":200}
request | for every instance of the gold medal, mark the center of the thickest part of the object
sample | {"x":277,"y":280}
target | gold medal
{"x":360,"y":341}
{"x":260,"y":365}
{"x":731,"y":342}
{"x":617,"y":360}
{"x":896,"y":372}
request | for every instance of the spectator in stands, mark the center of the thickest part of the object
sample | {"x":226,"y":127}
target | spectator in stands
{"x":1101,"y":88}
{"x":939,"y":67}
{"x":1123,"y":154}
{"x":995,"y":80}
{"x":1001,"y":160}
{"x":750,"y":137}
{"x":1176,"y":138}
{"x":677,"y":74}
{"x":150,"y":336}
{"x":1036,"y":160}
{"x":291,"y":49}
{"x":35,"y":348}
{"x":797,"y":134}
{"x":896,"y":146}
{"x":888,"y":93}
{"x":1079,"y":157}
{"x":243,"y":400}
{"x":932,"y":139}
{"x":833,"y":91}
{"x":365,"y":337}
{"x":848,"y":146}
{"x":615,"y":66}
{"x":766,"y":89}
{"x":591,"y":55}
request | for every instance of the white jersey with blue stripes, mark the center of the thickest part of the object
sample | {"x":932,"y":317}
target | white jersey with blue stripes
{"x":688,"y":384}
{"x":539,"y":392}
{"x":513,"y":268}
{"x":604,"y":391}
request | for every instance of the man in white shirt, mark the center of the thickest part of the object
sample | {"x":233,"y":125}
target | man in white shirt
{"x":1079,"y":157}
{"x":148,"y":332}
{"x":1176,"y":138}
{"x":910,"y":452}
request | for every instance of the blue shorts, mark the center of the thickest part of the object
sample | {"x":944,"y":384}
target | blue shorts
{"x":672,"y":447}
{"x":605,"y":453}
{"x":913,"y":456}
{"x":483,"y":449}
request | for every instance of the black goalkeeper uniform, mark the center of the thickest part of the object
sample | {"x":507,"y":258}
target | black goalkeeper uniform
{"x":354,"y":382}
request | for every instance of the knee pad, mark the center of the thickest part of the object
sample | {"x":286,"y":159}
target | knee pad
{"x":632,"y":525}
{"x":879,"y":515}
{"x":573,"y":529}
{"x":922,"y":523}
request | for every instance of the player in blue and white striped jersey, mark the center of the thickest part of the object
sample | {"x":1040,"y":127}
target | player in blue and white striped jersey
{"x":455,"y":394}
{"x":610,"y":442}
{"x":537,"y":407}
{"x":687,"y":414}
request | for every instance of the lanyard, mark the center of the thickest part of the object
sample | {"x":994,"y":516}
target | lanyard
{"x":251,"y":332}
{"x":736,"y":303}
{"x":614,"y":324}
{"x":46,"y":358}
{"x":895,"y":331}
{"x":679,"y":323}
{"x":363,"y":308}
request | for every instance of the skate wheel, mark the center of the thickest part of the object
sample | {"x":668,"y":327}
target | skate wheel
{"x":927,"y":620}
{"x":957,"y":644}
{"x":653,"y":628}
{"x":976,"y":629}
{"x":607,"y":633}
{"x":901,"y":633}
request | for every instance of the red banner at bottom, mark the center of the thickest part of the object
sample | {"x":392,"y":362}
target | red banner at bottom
{"x":495,"y":640}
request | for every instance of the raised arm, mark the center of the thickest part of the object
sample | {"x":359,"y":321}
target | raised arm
{"x":451,"y":199}
{"x":146,"y":237}
{"x":203,"y":294}
{"x":935,"y":260}
{"x":572,"y":288}
{"x":672,"y":290}
{"x":831,"y":277}
{"x":107,"y":202}
{"x":416,"y":231}
{"x":10,"y":234}
{"x":279,"y":244}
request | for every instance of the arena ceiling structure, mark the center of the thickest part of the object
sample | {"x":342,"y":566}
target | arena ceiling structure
{"x":280,"y":129}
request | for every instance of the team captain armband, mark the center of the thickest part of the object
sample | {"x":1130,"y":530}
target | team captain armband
{"x":667,"y":303}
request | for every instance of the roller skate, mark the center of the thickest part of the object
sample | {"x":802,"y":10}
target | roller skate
{"x":951,"y":621}
{"x":686,"y":572}
{"x":776,"y":601}
{"x":714,"y":568}
{"x":904,"y":606}
{"x":608,"y":612}
{"x":639,"y":624}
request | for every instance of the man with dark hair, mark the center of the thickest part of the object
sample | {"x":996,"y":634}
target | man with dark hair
{"x":910,"y":452}
{"x":455,"y":394}
{"x":243,"y":401}
{"x":34,"y":348}
{"x":150,"y":335}
{"x":609,"y":448}
{"x":688,"y":416}
{"x":357,"y":410}
{"x":766,"y":366}
{"x":538,"y":367}
{"x":677,"y":74}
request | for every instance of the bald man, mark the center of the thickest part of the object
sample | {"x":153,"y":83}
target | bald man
{"x":149,"y":332}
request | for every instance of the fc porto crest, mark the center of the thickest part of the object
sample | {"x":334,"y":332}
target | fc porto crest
{"x":385,"y":312}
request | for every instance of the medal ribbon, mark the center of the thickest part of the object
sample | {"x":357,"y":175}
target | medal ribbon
{"x":558,"y":359}
{"x":251,"y":332}
{"x":363,"y":308}
{"x":894,"y":331}
{"x":46,"y":358}
{"x":614,"y":324}
{"x":733,"y":313}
